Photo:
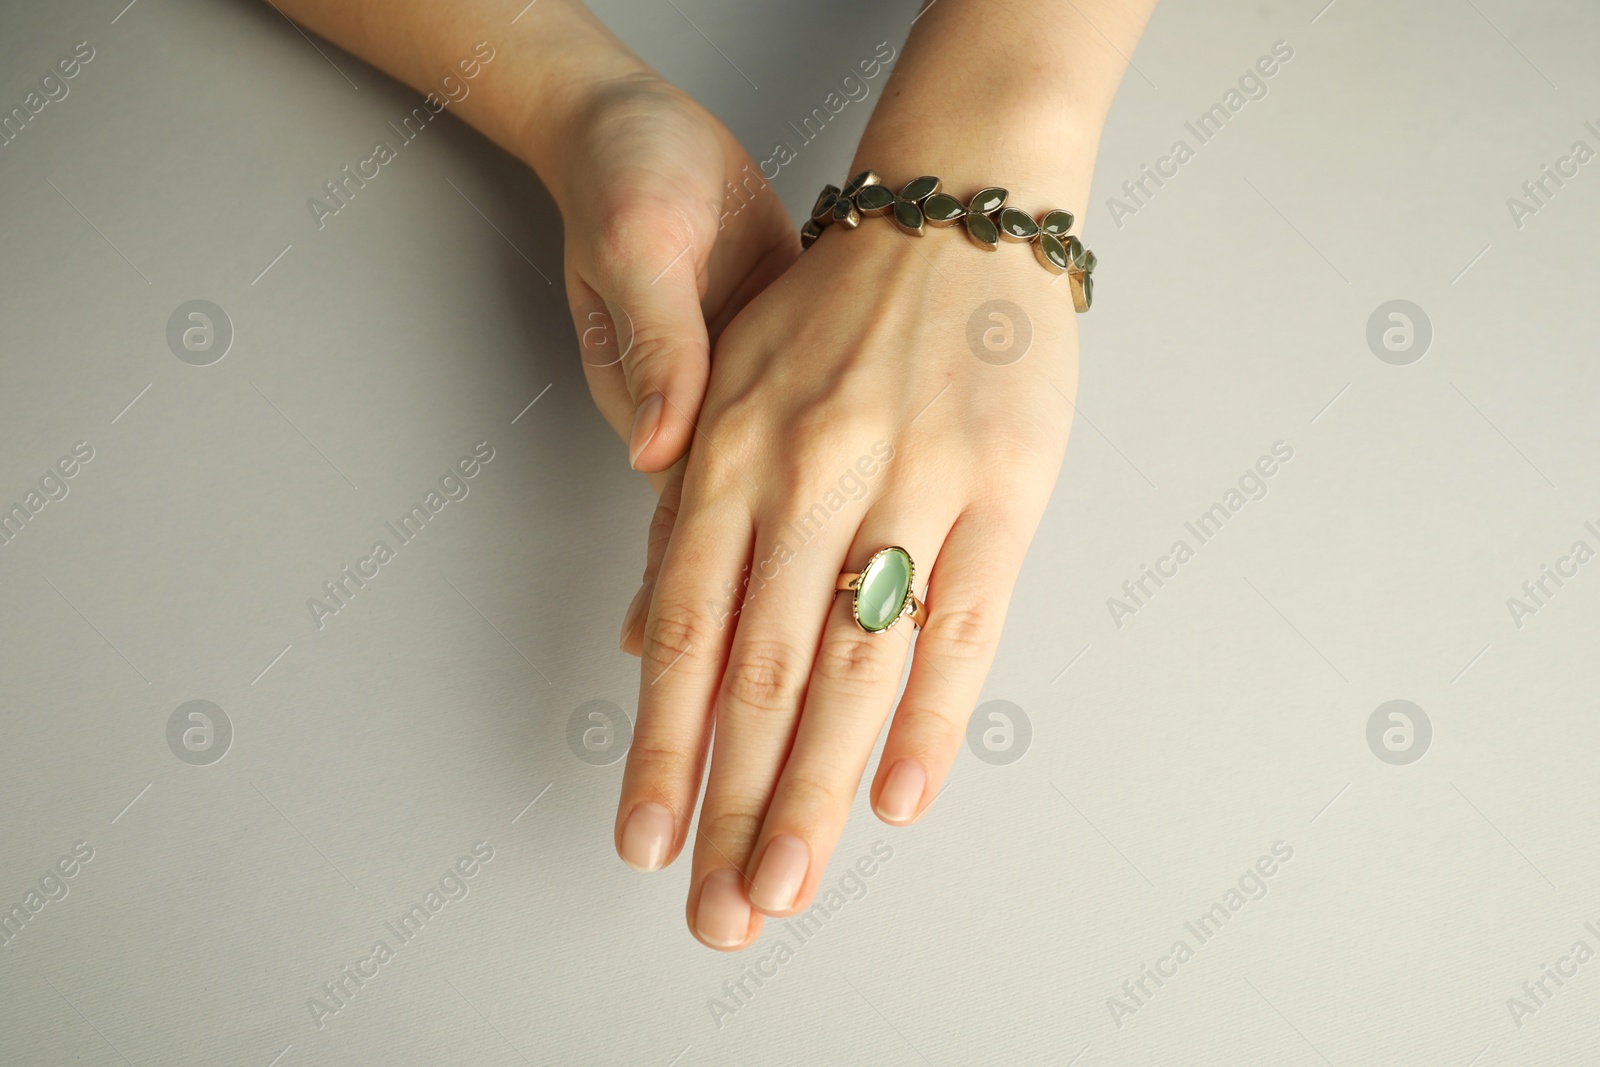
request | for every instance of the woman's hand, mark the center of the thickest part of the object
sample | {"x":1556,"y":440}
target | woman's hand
{"x":848,"y":412}
{"x":670,"y":227}
{"x":670,"y":230}
{"x":851,"y":408}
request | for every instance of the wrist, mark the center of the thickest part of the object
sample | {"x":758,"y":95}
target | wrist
{"x":968,"y":107}
{"x":571,"y":68}
{"x":1044,"y":161}
{"x":940,"y":267}
{"x":1034,"y":183}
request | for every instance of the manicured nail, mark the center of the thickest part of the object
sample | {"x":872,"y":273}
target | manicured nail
{"x":902,"y":791}
{"x":647,"y":837}
{"x":631,"y":619}
{"x":646,"y":420}
{"x":723,"y":918}
{"x":781,"y":874}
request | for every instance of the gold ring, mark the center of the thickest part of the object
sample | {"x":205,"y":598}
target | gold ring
{"x":882,"y":591}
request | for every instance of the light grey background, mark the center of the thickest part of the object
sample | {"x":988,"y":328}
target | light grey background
{"x":1229,"y":713}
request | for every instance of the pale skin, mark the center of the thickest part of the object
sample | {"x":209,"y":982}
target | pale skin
{"x":775,"y":683}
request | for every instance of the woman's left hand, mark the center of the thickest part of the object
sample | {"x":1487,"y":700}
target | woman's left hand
{"x":865,"y":399}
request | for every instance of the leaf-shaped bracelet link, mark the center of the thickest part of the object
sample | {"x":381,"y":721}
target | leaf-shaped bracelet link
{"x":908,"y":206}
{"x":987,"y":218}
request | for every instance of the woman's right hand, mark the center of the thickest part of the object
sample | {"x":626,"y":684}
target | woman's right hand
{"x":670,"y":226}
{"x":670,"y":231}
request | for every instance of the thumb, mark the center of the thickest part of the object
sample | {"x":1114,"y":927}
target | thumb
{"x":666,"y":356}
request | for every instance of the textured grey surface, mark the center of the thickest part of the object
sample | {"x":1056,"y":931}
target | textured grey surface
{"x":1229,"y":713}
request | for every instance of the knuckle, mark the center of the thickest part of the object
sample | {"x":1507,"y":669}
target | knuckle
{"x":615,"y":246}
{"x":733,"y":441}
{"x":680,"y":637}
{"x":806,"y":791}
{"x":736,"y":423}
{"x":662,"y":764}
{"x":661,"y":526}
{"x":853,"y":659}
{"x":812,"y":446}
{"x":962,"y":633}
{"x":715,"y":472}
{"x":807,"y":473}
{"x":733,"y":821}
{"x":924,"y":723}
{"x":659,"y":353}
{"x":631,"y":232}
{"x":1010,"y":497}
{"x":766,"y":677}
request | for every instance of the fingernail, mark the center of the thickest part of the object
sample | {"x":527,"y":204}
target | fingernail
{"x":781,"y":874}
{"x":902,"y":791}
{"x":647,"y":837}
{"x":723,"y":918}
{"x":646,"y":420}
{"x":635,"y":609}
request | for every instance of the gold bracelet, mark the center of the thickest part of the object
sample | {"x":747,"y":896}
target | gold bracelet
{"x":987,"y":218}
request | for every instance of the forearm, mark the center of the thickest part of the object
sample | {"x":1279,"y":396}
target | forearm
{"x":1005,"y":92}
{"x":547,"y":59}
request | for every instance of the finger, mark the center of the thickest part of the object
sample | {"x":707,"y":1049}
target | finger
{"x":686,"y":635}
{"x":601,"y":348}
{"x":781,"y":618}
{"x":852,"y":689}
{"x":968,"y":593}
{"x":651,"y":281}
{"x":661,"y":524}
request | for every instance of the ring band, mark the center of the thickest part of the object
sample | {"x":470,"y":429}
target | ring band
{"x":882,"y":591}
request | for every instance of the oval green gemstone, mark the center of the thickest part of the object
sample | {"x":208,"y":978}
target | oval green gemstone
{"x":1016,"y":223}
{"x":1089,"y":261}
{"x":919,"y":189}
{"x":1052,"y":253}
{"x":988,"y":201}
{"x":881,"y":593}
{"x":845,"y":213}
{"x":981,"y":228}
{"x":874,"y":200}
{"x":943,"y":209}
{"x":1088,"y":291}
{"x":908,"y":217}
{"x":1057,"y":222}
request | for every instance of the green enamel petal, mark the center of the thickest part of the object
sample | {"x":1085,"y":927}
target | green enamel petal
{"x":943,"y":209}
{"x":919,"y":189}
{"x":1075,"y":252}
{"x":825,"y":200}
{"x":874,"y":200}
{"x":860,"y":182}
{"x":981,"y":228}
{"x":1014,"y":222}
{"x":1052,"y":253}
{"x":1057,"y":222}
{"x":908,"y":217}
{"x":988,"y":201}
